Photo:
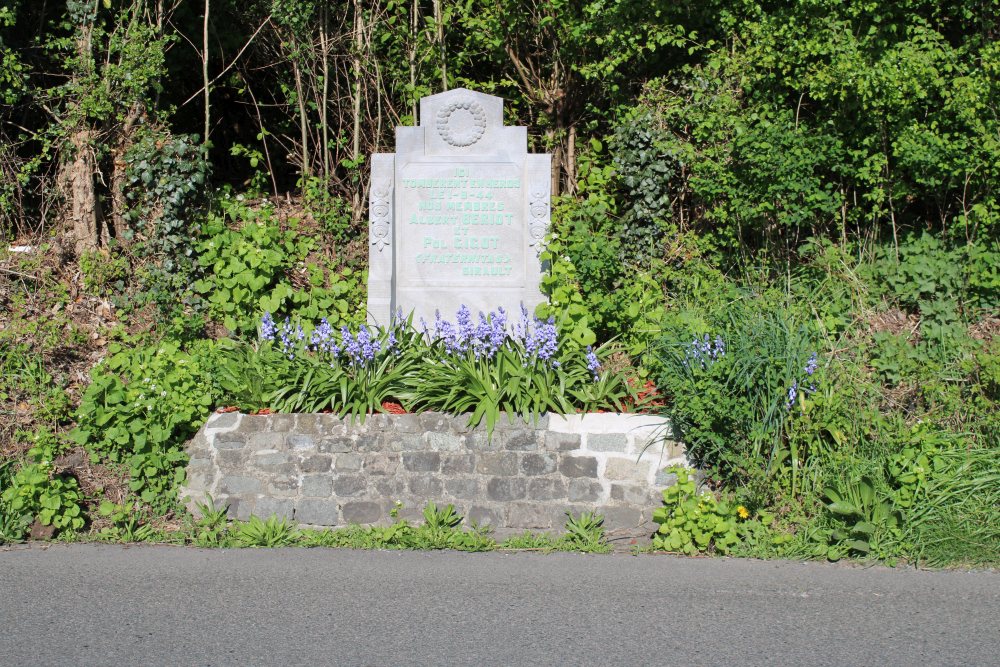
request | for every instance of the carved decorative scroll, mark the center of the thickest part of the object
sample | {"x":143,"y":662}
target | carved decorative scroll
{"x":538,"y":209}
{"x":380,"y":213}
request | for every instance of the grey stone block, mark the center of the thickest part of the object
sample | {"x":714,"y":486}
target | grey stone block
{"x":283,"y":486}
{"x":349,"y":485}
{"x":231,"y":440}
{"x":233,"y":485}
{"x":367,"y":442}
{"x":198,"y":482}
{"x":626,"y":469}
{"x":463,"y":487}
{"x":379,"y":422}
{"x":317,"y":486}
{"x":607,"y":442}
{"x":241,"y":508}
{"x":232,"y":459}
{"x":622,"y":518}
{"x":578,"y":466}
{"x":506,"y":488}
{"x":546,"y":489}
{"x":348,"y":462}
{"x":538,"y":464}
{"x":444,"y":442}
{"x":317,"y":512}
{"x":422,"y":461}
{"x":457,"y":464}
{"x":335,"y":444}
{"x":265,"y":440}
{"x":391,"y":443}
{"x":200,"y":464}
{"x":317,"y":463}
{"x":252,"y":424}
{"x":528,"y":515}
{"x":434,"y":421}
{"x":300,"y":441}
{"x":496,"y":463}
{"x":362,"y":511}
{"x":584,"y":491}
{"x":562,"y":442}
{"x":389,"y":487}
{"x":481,"y":515}
{"x":478,"y":441}
{"x":426,"y":487}
{"x":281,"y":423}
{"x":631,"y":494}
{"x":459,"y":424}
{"x":224,"y":420}
{"x":266,"y":460}
{"x":199,"y":442}
{"x":380,"y":464}
{"x":407,"y":423}
{"x":406,"y":442}
{"x":519,"y":440}
{"x":307,"y":424}
{"x":279,"y":507}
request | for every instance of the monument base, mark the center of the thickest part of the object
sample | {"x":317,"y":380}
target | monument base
{"x":321,"y":470}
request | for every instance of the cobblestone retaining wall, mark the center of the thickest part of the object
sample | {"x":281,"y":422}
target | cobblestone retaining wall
{"x":318,"y":469}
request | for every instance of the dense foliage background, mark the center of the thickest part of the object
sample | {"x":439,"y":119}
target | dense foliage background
{"x":785,"y":216}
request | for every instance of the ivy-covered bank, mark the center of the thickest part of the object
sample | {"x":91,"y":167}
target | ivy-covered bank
{"x":775,"y":225}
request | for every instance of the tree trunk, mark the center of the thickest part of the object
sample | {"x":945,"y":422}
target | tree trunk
{"x":303,"y":119}
{"x":115,"y":224}
{"x":324,"y":118}
{"x":78,"y":174}
{"x":571,"y":161}
{"x":356,"y":204}
{"x":439,"y":24}
{"x":412,"y":57}
{"x":84,"y":207}
{"x":204,"y":72}
{"x":557,"y":160}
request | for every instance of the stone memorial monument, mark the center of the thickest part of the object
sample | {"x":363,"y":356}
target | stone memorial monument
{"x":457,"y":214}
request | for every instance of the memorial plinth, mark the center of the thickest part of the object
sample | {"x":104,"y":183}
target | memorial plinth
{"x":458,"y":214}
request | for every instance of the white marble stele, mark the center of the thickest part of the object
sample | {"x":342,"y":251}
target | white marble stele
{"x":458,"y":214}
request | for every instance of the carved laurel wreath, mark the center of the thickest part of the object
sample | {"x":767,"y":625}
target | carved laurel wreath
{"x":464,"y":134}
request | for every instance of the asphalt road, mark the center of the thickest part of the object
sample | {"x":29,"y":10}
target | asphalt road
{"x":110,"y":605}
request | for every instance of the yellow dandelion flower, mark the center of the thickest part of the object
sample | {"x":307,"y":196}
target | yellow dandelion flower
{"x":743,"y":512}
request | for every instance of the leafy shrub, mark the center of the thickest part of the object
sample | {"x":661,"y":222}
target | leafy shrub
{"x":600,"y":286}
{"x":692,"y":522}
{"x":735,"y":390}
{"x":36,"y":490}
{"x":863,"y":516}
{"x":104,"y":273}
{"x":141,"y":406}
{"x":13,"y":523}
{"x":941,"y":282}
{"x":165,"y":185}
{"x":248,"y":269}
